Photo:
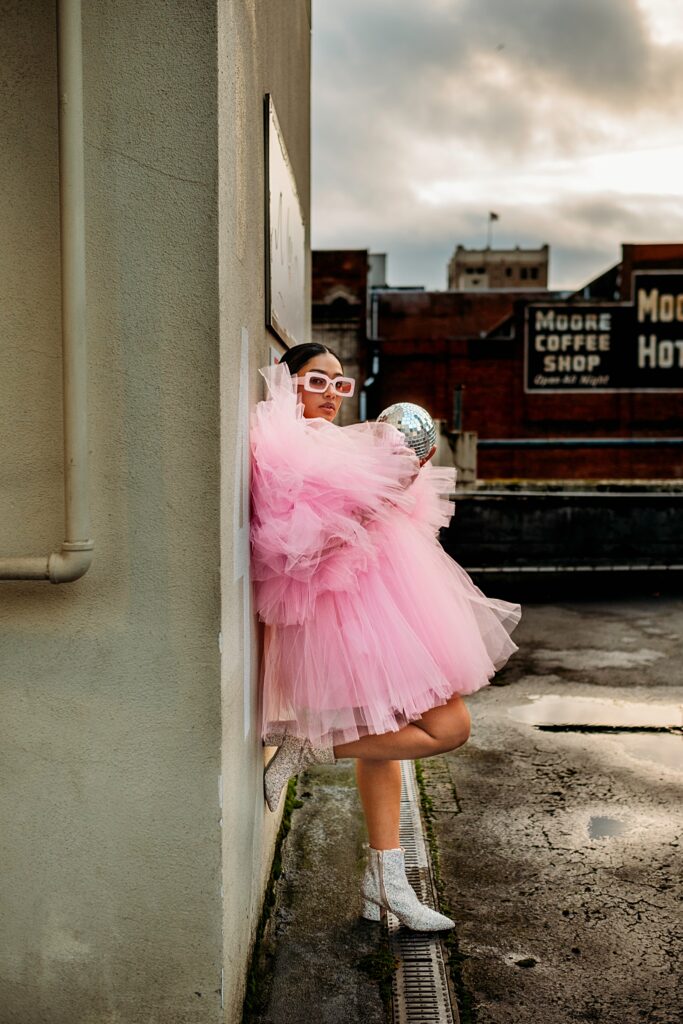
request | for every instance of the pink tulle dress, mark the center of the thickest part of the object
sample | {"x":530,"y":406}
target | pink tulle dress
{"x":369,"y":623}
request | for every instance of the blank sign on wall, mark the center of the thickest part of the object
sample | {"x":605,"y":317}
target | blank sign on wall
{"x":285,"y":238}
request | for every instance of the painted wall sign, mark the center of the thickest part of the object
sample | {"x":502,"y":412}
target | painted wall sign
{"x":634,"y":346}
{"x":285,"y":238}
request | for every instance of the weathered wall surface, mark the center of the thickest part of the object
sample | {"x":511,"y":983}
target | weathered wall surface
{"x":264,"y":47}
{"x":127,"y":892}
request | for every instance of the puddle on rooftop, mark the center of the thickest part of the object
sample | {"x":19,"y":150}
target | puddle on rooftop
{"x":644,"y":732}
{"x":605,"y":828}
{"x":662,"y":749}
{"x":554,"y":710}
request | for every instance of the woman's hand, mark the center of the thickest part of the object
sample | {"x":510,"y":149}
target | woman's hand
{"x":428,"y":457}
{"x":413,"y":469}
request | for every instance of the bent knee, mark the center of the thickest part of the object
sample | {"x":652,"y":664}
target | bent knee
{"x":459,"y":733}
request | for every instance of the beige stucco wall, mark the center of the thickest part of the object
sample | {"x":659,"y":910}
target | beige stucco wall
{"x":127,"y":893}
{"x":264,"y":46}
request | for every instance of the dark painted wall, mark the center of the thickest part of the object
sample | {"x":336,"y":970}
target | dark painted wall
{"x":637,"y":528}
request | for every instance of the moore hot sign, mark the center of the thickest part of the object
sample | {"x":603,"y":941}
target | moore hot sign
{"x":635,"y":346}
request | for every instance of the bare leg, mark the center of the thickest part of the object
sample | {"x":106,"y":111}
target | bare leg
{"x":379,"y":785}
{"x":439,"y":729}
{"x":379,"y":779}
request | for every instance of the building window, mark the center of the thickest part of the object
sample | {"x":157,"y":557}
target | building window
{"x":534,"y":272}
{"x":508,"y":271}
{"x":524,"y":273}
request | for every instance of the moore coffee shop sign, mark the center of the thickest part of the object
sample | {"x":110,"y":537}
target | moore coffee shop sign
{"x":631,"y":346}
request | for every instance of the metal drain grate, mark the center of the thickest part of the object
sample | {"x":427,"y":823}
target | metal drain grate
{"x":421,"y":993}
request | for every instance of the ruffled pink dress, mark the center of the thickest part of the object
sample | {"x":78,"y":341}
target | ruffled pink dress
{"x":369,"y":623}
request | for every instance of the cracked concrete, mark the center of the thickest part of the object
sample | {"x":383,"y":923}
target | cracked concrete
{"x":564,"y":863}
{"x":589,"y":658}
{"x":317,"y":941}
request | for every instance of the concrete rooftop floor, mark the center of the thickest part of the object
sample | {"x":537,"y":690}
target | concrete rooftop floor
{"x":559,"y":849}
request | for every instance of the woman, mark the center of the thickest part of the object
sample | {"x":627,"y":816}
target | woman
{"x":373,"y":633}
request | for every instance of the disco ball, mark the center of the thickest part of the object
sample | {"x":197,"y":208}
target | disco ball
{"x":415,"y":423}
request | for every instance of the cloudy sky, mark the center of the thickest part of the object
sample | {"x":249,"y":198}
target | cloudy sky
{"x":565,"y":117}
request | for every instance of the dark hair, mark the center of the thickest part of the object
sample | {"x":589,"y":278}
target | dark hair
{"x":297,"y":355}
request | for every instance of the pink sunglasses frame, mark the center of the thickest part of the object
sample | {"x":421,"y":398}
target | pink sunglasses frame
{"x":318,"y":373}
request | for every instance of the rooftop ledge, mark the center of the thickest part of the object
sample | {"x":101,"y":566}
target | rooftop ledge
{"x":542,"y":487}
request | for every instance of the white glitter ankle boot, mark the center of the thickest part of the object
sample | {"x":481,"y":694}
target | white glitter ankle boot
{"x":289,"y":759}
{"x":385,"y":887}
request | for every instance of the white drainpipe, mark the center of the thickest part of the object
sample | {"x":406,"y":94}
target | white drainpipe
{"x":73,"y":558}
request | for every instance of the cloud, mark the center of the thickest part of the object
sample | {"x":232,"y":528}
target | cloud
{"x":595,"y":48}
{"x":426,"y":116}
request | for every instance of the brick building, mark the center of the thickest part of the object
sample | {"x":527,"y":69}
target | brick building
{"x":339,"y":291}
{"x":430,"y":344}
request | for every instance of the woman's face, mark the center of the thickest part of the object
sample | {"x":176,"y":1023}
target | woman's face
{"x":325,"y":404}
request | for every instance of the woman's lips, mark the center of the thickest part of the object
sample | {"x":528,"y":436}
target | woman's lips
{"x":327,"y":405}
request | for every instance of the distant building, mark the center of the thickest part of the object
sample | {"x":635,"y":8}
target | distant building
{"x":339,"y":290}
{"x":495,"y":269}
{"x":557,"y":385}
{"x":377,"y":275}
